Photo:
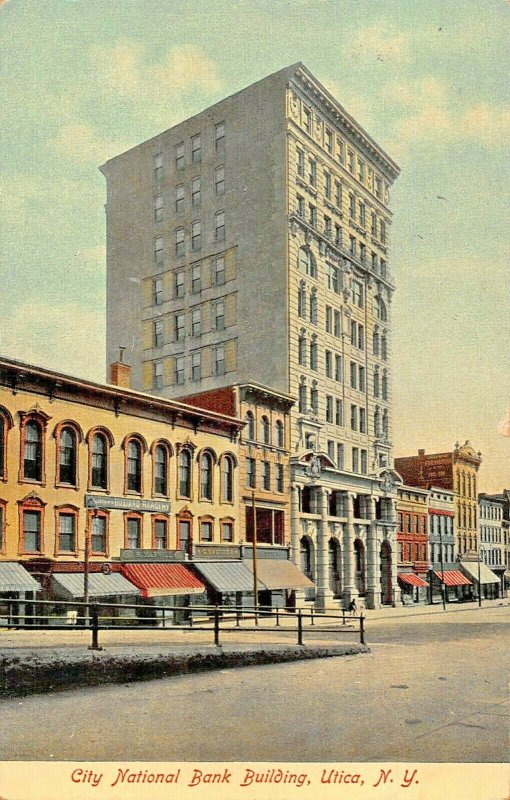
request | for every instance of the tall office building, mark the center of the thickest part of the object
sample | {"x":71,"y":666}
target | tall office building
{"x":250,"y":244}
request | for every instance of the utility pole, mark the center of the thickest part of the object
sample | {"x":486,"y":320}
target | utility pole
{"x":443,"y":588}
{"x":254,"y":556}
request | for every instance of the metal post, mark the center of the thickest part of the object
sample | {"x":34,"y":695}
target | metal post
{"x":94,"y":622}
{"x":443,"y":588}
{"x":343,"y":616}
{"x":361,"y":629}
{"x":311,"y":617}
{"x":277,"y":617}
{"x":479,"y":580}
{"x":216,"y":626}
{"x":300,"y":628}
{"x":254,"y":555}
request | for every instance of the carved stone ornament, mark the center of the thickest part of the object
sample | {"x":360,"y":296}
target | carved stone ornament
{"x":387,"y":483}
{"x":294,"y":105}
{"x":347,"y":294}
{"x":314,"y":468}
{"x":323,"y":248}
{"x":308,"y":237}
{"x":294,"y":228}
{"x":318,"y":127}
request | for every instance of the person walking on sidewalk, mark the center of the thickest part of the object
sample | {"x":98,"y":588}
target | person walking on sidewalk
{"x":352,"y":607}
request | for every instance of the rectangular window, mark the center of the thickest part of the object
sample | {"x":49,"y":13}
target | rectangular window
{"x":354,"y":375}
{"x":352,"y":245}
{"x":179,"y":156}
{"x":219,"y":137}
{"x":158,"y":208}
{"x":158,"y":166}
{"x":157,"y":339}
{"x":312,"y":211}
{"x":158,"y":250}
{"x":337,"y":328}
{"x":378,"y":187}
{"x":329,"y":408}
{"x":340,"y":458}
{"x":361,"y":337}
{"x":340,"y":150}
{"x":357,"y":294}
{"x":362,"y":214}
{"x":300,"y":163}
{"x":133,"y":533}
{"x":362,"y":420}
{"x":328,"y":231}
{"x":373,"y":224}
{"x":98,"y":538}
{"x":266,"y":475}
{"x":206,"y":531}
{"x":196,"y":321}
{"x":196,"y":278}
{"x":312,"y":172}
{"x":179,"y":286}
{"x":219,"y":271}
{"x":354,"y":332}
{"x":157,"y":374}
{"x":219,"y":315}
{"x":279,"y":478}
{"x":196,"y":235}
{"x":157,"y":291}
{"x":329,"y":319}
{"x":219,"y":226}
{"x":352,"y":206}
{"x":196,"y":149}
{"x":361,"y":170}
{"x":350,"y":161}
{"x":227,"y":532}
{"x":32,"y":531}
{"x":339,"y":412}
{"x":329,"y":364}
{"x":179,"y":242}
{"x":327,"y":185}
{"x":219,"y":181}
{"x":195,"y":366}
{"x":355,"y":459}
{"x":179,"y":370}
{"x":364,"y":462}
{"x":66,"y":533}
{"x":331,"y":449}
{"x":307,"y":119}
{"x":219,"y":359}
{"x":362,"y":379}
{"x":250,"y":473}
{"x":338,"y":235}
{"x":338,"y":194}
{"x":383,"y":268}
{"x":338,"y":368}
{"x":354,"y":418}
{"x":196,"y":192}
{"x":179,"y":326}
{"x":300,"y":206}
{"x":382,"y":231}
{"x":160,"y":534}
{"x":179,"y":199}
{"x":374,"y":261}
{"x":328,"y":139}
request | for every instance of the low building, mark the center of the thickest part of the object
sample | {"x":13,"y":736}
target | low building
{"x":107,"y":476}
{"x":446,"y":579}
{"x":413,"y":543}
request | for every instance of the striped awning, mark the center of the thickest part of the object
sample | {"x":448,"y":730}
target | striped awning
{"x":162,"y":580}
{"x":71,"y":583}
{"x":452,"y":577}
{"x":228,"y":576}
{"x":486,"y":575}
{"x":411,"y":579}
{"x":15,"y":578}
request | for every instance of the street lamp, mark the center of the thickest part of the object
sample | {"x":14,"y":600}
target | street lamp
{"x":479,"y":577}
{"x":91,"y":505}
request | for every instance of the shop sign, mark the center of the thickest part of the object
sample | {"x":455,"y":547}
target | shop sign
{"x":127,"y":504}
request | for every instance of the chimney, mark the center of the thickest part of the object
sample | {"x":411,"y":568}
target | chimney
{"x":120,"y":373}
{"x":421,"y":452}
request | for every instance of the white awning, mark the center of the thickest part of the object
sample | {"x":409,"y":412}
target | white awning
{"x":486,"y":575}
{"x":71,"y":583}
{"x":15,"y":578}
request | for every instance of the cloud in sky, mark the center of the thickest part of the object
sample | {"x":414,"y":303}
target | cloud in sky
{"x":79,"y":142}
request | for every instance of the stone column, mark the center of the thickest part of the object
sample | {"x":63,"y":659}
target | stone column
{"x":373,"y":599}
{"x":348,"y":553}
{"x":324,"y":595}
{"x":294,"y":524}
{"x":392,"y":538}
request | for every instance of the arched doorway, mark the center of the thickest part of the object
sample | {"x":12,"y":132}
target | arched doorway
{"x":359,"y":567}
{"x":335,"y":568}
{"x":386,"y":588}
{"x":306,"y":560}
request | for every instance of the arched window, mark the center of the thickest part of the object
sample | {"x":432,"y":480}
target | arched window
{"x":385,"y":422}
{"x":99,"y":462}
{"x":33,"y":451}
{"x":313,"y":307}
{"x":250,"y":426}
{"x":134,"y":466}
{"x":302,"y":349}
{"x":67,"y":457}
{"x":376,"y":382}
{"x":280,"y":437}
{"x":384,"y":347}
{"x":5,"y":424}
{"x":377,"y":421}
{"x":185,"y":473}
{"x":306,"y":262}
{"x":161,"y":470}
{"x":206,"y":464}
{"x":302,"y":396}
{"x":302,"y":300}
{"x":314,"y":354}
{"x":266,"y":431}
{"x":385,"y":385}
{"x":227,"y":479}
{"x":380,"y":309}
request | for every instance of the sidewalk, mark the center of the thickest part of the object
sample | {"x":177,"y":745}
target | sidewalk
{"x":388,"y":613}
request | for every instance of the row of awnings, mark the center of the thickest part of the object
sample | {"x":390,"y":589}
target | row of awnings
{"x":161,"y":579}
{"x":455,"y":577}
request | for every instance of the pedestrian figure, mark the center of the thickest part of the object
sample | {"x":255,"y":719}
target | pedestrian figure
{"x":352,"y":607}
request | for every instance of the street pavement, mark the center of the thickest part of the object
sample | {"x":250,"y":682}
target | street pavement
{"x":434,"y":688}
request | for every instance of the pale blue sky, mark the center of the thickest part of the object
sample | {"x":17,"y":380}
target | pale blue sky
{"x":85,"y":79}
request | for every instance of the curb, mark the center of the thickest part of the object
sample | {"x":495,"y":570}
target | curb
{"x":51,"y":671}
